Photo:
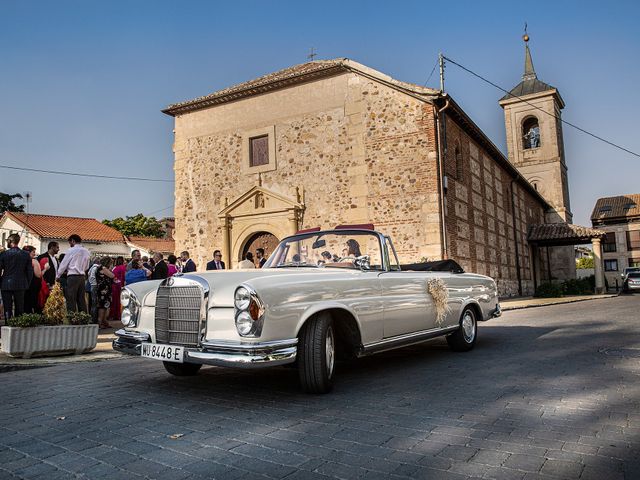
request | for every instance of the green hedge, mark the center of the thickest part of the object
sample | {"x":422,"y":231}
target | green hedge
{"x":26,"y":320}
{"x":579,"y":286}
{"x":36,"y":320}
{"x":78,"y":318}
{"x":548,"y":290}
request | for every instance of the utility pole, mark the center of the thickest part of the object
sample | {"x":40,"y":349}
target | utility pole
{"x":28,"y":197}
{"x":441,"y":62}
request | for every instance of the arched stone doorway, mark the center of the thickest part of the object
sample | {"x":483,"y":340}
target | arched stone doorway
{"x":265,"y":240}
{"x":257,"y":212}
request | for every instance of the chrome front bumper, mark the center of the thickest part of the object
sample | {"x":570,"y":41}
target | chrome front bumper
{"x":220,"y":352}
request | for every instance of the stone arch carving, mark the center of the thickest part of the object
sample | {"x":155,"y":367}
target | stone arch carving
{"x":258,"y":210}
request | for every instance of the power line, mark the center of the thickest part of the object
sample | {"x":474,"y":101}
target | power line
{"x":91,"y":175}
{"x":431,"y":74}
{"x":538,"y":108}
{"x":158,"y":211}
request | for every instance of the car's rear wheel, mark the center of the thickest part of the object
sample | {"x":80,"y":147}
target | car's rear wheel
{"x":182,"y":369}
{"x":317,"y":354}
{"x":464,"y":338}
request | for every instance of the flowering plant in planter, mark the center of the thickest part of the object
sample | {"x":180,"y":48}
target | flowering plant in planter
{"x":53,"y":333}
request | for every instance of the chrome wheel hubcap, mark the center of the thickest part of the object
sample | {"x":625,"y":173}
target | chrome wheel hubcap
{"x":330,"y":351}
{"x":468,"y":327}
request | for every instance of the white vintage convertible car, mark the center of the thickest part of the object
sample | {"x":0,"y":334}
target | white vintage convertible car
{"x":321,"y":296}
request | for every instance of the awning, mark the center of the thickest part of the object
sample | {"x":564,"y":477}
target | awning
{"x":558,"y":234}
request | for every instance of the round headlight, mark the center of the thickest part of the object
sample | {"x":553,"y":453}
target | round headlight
{"x":242,"y":298}
{"x":244,"y":323}
{"x":125,"y":297}
{"x":126,"y":318}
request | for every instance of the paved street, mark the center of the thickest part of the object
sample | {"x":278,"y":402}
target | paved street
{"x":550,"y":392}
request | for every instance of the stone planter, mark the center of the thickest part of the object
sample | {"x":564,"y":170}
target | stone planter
{"x":48,"y":340}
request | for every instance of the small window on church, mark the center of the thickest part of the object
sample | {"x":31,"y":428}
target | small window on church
{"x":530,"y":133}
{"x":259,"y":151}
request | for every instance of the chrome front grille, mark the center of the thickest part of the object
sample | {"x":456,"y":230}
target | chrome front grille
{"x":178,"y":314}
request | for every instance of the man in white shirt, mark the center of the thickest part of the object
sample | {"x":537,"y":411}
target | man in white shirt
{"x":75,"y":264}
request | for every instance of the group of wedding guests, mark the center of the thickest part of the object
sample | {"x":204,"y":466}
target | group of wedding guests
{"x":89,"y":284}
{"x":106,"y":277}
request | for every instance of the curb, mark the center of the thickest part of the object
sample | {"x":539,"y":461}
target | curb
{"x":8,"y":364}
{"x":102,"y":351}
{"x":549,"y":303}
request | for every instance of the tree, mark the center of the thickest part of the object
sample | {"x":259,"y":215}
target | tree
{"x":137,"y":225}
{"x":7,"y":204}
{"x":585,"y":262}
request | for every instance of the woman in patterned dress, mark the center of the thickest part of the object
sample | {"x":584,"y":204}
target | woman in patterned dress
{"x":104,"y":278}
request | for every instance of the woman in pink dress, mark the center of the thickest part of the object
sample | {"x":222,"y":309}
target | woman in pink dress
{"x":44,"y":292}
{"x":172,"y":269}
{"x":118,"y":271}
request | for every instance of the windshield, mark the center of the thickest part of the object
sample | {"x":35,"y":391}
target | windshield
{"x":337,"y":249}
{"x":634,"y":275}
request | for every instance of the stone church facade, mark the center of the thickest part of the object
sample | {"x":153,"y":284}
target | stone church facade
{"x":335,"y":142}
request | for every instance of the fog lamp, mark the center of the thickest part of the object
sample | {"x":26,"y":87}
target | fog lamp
{"x":126,"y":318}
{"x":244,"y":323}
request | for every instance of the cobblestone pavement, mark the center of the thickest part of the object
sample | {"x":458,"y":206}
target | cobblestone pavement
{"x":551,"y":392}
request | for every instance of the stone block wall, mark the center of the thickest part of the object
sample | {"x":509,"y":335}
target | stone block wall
{"x":360,"y":151}
{"x":480,"y":211}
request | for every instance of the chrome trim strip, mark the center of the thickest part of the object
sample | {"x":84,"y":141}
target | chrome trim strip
{"x":404,"y":340}
{"x":135,"y":336}
{"x":268,"y":358}
{"x":231,"y":346}
{"x":130,"y":348}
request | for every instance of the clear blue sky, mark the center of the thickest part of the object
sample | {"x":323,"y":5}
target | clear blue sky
{"x":82,"y":83}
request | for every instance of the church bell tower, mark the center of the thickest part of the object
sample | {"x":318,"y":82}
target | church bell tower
{"x":532,"y":112}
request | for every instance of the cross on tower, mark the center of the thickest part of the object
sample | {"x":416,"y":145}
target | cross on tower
{"x":312,"y":54}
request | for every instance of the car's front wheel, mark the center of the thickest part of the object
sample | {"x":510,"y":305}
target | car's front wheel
{"x":464,"y":338}
{"x":317,"y":354}
{"x":182,"y":369}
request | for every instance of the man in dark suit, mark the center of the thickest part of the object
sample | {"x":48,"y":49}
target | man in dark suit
{"x":160,"y":270}
{"x":216,"y":263}
{"x":17,"y":271}
{"x":260,"y":257}
{"x":188,"y":265}
{"x":50,"y":275}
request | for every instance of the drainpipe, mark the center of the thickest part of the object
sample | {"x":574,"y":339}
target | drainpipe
{"x":515,"y":237}
{"x":440,"y":167}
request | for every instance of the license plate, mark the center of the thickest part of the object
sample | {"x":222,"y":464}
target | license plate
{"x":167,"y":353}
